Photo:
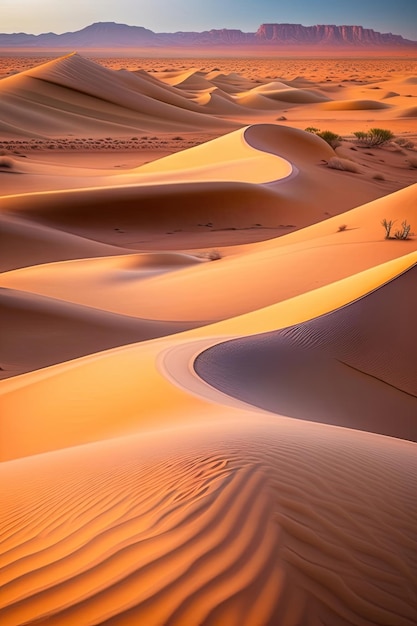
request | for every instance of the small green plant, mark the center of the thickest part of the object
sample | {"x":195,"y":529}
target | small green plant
{"x":374,"y":137}
{"x":404,"y":232}
{"x":329,"y":137}
{"x":388,"y":226}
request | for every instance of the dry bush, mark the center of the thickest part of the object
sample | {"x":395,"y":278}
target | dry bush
{"x":336,"y":163}
{"x":341,"y":228}
{"x":6,"y":163}
{"x":214,"y":255}
{"x":404,"y":142}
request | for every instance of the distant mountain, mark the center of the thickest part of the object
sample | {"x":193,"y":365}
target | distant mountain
{"x":112,"y":35}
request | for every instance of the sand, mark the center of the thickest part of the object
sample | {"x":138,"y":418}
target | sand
{"x":208,"y":399}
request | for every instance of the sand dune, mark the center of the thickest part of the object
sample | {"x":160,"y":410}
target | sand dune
{"x":368,"y":367}
{"x":73,"y":94}
{"x":279,"y":520}
{"x":346,"y":105}
{"x":208,"y":394}
{"x":25,"y":242}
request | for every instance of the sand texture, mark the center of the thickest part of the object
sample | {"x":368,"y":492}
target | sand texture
{"x":208,"y":361}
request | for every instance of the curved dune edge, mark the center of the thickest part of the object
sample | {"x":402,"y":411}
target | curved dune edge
{"x":270,"y":523}
{"x":125,"y":380}
{"x":243,"y":159}
{"x":353,"y":367}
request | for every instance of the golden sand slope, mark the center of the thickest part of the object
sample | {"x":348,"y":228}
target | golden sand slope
{"x":273,"y":522}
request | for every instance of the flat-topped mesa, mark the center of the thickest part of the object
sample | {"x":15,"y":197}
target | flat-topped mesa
{"x":103,"y":35}
{"x":325,"y":34}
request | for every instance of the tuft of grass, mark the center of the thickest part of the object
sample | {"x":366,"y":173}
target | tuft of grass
{"x":341,"y":228}
{"x":374,"y":137}
{"x":327,"y":135}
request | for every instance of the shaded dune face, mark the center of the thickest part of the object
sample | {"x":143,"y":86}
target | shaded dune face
{"x":255,"y":525}
{"x":354,"y":367}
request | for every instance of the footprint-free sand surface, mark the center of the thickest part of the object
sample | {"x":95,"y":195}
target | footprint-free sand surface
{"x":208,"y":363}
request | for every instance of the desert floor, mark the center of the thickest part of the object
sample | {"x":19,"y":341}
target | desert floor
{"x":208,"y":395}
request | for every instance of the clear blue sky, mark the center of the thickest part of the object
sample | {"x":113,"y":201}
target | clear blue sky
{"x":36,"y":16}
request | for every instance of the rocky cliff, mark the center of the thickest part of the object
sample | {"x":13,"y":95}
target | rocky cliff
{"x":112,"y":35}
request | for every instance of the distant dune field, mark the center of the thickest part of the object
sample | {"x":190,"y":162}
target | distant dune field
{"x":208,"y":394}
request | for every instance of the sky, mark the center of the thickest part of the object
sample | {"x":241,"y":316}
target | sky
{"x":39,"y":16}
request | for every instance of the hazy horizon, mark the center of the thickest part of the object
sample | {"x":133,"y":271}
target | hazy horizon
{"x":399,"y":18}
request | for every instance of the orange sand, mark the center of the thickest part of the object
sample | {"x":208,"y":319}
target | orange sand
{"x":209,"y":396}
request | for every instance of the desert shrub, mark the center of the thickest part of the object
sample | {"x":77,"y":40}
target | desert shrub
{"x":374,"y":137}
{"x":388,"y":226}
{"x":403,"y":232}
{"x":6,"y":163}
{"x":331,"y":138}
{"x":214,"y":255}
{"x":335,"y":163}
{"x":341,"y":228}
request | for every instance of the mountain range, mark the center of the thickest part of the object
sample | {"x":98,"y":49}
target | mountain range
{"x":113,"y":35}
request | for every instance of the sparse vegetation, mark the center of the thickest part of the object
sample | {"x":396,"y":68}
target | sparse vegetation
{"x":374,"y":137}
{"x":343,"y":164}
{"x":6,"y":163}
{"x":404,"y":143}
{"x":214,"y":255}
{"x":388,"y":226}
{"x":329,"y":137}
{"x":341,"y":228}
{"x":401,"y":233}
